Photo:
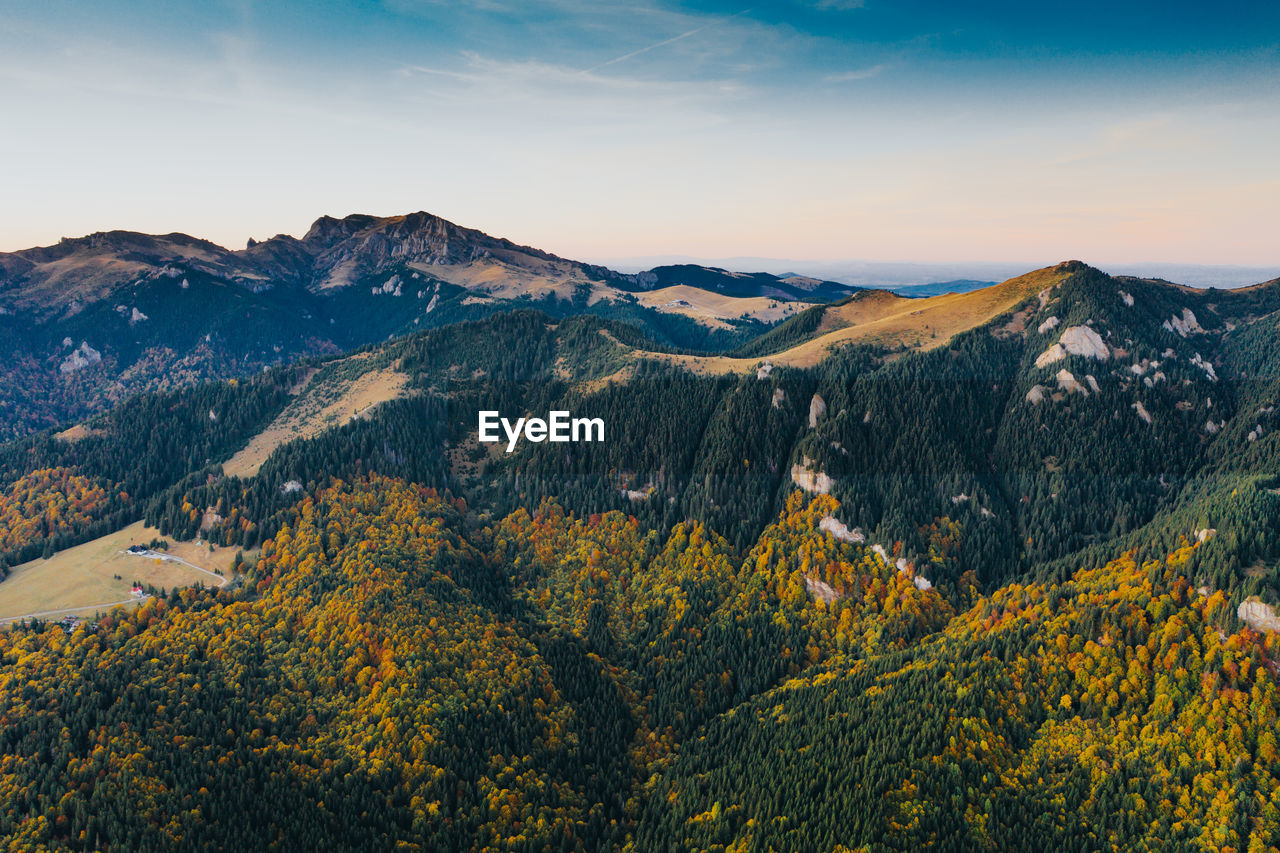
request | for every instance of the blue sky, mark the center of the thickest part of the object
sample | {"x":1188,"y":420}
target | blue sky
{"x":825,"y":129}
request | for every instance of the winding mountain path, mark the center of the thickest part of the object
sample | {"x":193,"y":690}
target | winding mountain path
{"x":130,"y":600}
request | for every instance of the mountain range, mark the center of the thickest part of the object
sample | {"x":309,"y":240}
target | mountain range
{"x":90,"y":320}
{"x":982,"y":570}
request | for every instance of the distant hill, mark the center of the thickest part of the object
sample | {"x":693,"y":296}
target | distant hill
{"x":892,"y":275}
{"x":789,"y":286}
{"x":885,"y":319}
{"x":938,"y":288}
{"x":90,"y":320}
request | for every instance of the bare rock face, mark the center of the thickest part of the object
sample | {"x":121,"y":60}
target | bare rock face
{"x":1082,"y":340}
{"x":646,"y":279}
{"x":815,"y":482}
{"x":1067,"y":382}
{"x":1185,"y":325}
{"x":327,"y":231}
{"x":1206,"y":366}
{"x":1075,"y":340}
{"x":345,"y":249}
{"x":817,"y":408}
{"x":820,"y":590}
{"x":80,"y":358}
{"x":1053,"y":354}
{"x":1258,"y":616}
{"x":836,"y":527}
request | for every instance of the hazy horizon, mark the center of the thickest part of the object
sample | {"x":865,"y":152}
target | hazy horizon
{"x":805,"y":129}
{"x":903,"y":273}
{"x":870,"y":272}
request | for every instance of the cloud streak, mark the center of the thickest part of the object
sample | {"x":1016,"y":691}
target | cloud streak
{"x":665,"y":42}
{"x":859,"y":74}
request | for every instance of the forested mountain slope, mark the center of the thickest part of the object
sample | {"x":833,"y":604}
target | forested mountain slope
{"x":1071,"y":422}
{"x":399,"y":673}
{"x":975,"y":593}
{"x":1104,"y":713}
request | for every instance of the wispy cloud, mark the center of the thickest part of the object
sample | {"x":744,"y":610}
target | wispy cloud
{"x":682,"y":78}
{"x":535,"y":87}
{"x":859,"y":74}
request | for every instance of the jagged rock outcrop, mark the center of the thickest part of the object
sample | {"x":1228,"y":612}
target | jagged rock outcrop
{"x":80,"y":358}
{"x":1075,"y":340}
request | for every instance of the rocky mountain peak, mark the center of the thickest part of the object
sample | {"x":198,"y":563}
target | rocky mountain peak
{"x":327,"y":231}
